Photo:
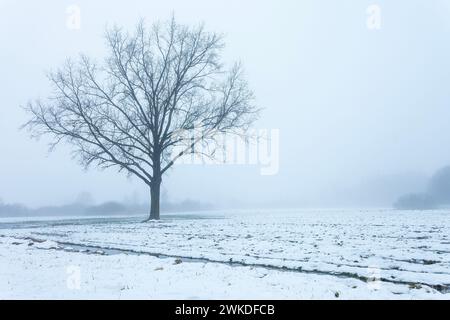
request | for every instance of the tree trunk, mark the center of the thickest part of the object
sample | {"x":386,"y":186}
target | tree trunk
{"x":155,"y":188}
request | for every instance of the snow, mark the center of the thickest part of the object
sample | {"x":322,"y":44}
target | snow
{"x":296,"y":254}
{"x":47,"y":244}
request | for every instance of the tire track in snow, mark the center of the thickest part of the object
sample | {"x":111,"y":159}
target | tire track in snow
{"x":95,"y":249}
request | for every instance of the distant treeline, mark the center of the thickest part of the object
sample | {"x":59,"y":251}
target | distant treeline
{"x":436,"y":196}
{"x":107,"y":208}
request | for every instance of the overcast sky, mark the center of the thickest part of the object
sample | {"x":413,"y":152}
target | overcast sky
{"x":363,"y":114}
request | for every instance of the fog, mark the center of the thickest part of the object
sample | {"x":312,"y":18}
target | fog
{"x":363,"y":115}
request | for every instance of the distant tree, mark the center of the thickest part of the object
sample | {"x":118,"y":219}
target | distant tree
{"x":11,"y":210}
{"x":107,"y":208}
{"x":439,"y":186}
{"x":127,"y":112}
{"x":84,"y":199}
{"x":415,"y":201}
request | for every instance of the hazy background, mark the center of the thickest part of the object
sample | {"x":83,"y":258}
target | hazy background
{"x":364,"y":115}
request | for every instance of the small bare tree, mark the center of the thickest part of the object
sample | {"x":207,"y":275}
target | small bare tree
{"x":127,"y":111}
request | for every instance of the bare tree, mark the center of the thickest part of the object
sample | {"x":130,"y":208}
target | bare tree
{"x":127,"y":111}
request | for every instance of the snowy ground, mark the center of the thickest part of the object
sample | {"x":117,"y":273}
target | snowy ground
{"x":297,"y":254}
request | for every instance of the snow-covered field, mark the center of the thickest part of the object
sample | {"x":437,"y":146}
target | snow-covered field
{"x":297,"y":254}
